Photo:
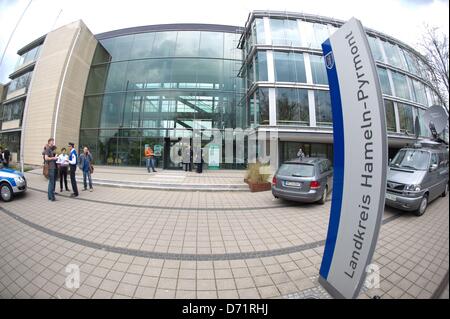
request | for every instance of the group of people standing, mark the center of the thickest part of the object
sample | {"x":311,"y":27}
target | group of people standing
{"x":5,"y":157}
{"x":62,"y":164}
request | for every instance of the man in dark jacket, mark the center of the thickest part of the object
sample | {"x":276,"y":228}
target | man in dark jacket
{"x":73,"y":160}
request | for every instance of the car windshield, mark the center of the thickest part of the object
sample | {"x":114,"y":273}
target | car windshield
{"x":298,"y":170}
{"x":412,"y":159}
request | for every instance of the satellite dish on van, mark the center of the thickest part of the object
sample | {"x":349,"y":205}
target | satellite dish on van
{"x":436,"y":118}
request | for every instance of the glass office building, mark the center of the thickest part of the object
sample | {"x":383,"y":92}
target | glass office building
{"x":153,"y":85}
{"x":287,"y":89}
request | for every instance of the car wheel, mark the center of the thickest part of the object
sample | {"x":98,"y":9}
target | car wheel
{"x":423,"y":206}
{"x":6,"y":192}
{"x":323,"y":199}
{"x":445,"y":191}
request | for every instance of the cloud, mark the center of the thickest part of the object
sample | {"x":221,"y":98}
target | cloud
{"x":401,"y":19}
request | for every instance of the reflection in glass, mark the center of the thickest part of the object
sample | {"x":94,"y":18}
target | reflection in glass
{"x":318,"y":69}
{"x":323,"y":108}
{"x":390,"y":115}
{"x":384,"y":81}
{"x":405,"y":114}
{"x":289,"y":67}
{"x":400,"y":85}
{"x":375,"y":48}
{"x":292,"y":106}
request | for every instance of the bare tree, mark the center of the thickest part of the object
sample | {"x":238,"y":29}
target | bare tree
{"x":434,"y":45}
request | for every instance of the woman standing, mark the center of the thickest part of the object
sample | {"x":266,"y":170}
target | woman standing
{"x":63,"y":164}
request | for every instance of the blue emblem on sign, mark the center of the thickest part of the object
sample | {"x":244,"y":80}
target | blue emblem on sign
{"x":329,"y":60}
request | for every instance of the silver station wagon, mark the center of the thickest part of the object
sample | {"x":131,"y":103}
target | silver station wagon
{"x":304,"y":180}
{"x":416,"y":176}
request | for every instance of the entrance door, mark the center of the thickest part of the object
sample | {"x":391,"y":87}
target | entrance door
{"x":170,"y":146}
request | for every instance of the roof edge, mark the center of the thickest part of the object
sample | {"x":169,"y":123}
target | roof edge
{"x":170,"y":27}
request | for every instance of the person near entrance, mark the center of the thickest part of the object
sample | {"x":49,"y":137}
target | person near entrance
{"x":85,"y":163}
{"x":300,"y":154}
{"x":73,"y":160}
{"x":6,"y":157}
{"x":149,"y":159}
{"x":187,"y":157}
{"x":51,"y":158}
{"x":199,"y":160}
{"x":63,"y":166}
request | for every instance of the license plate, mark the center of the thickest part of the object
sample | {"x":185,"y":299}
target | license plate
{"x":391,"y":197}
{"x":292,"y":184}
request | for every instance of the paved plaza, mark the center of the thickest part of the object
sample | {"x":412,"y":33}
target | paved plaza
{"x":155,"y":243}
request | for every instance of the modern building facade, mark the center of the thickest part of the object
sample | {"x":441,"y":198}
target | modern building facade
{"x":119,"y":91}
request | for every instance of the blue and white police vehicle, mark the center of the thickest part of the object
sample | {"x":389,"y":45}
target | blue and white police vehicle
{"x":11,"y":183}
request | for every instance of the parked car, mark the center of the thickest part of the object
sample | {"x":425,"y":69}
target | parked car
{"x":304,"y":180}
{"x":416,"y":176}
{"x":11,"y":182}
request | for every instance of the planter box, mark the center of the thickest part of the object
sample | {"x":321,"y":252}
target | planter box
{"x":259,"y":187}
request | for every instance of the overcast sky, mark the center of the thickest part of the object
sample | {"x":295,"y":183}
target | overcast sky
{"x":402,"y":19}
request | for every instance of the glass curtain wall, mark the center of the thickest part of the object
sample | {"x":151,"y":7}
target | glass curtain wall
{"x":145,"y":87}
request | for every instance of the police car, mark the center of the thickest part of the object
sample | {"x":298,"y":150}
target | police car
{"x":11,"y":182}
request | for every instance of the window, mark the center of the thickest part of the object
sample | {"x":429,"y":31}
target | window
{"x":375,"y":48}
{"x":260,"y":34}
{"x":261,"y":66}
{"x":424,"y":129}
{"x":13,"y":111}
{"x":20,"y":82}
{"x":400,"y":85}
{"x":262,"y":106}
{"x":284,"y":32}
{"x":164,"y":44}
{"x":411,"y":62}
{"x":384,"y":81}
{"x":434,"y":159}
{"x":112,"y":110}
{"x":323,"y":108}
{"x":116,"y":77}
{"x":320,"y":33}
{"x":405,"y":114}
{"x":289,"y":67}
{"x":393,"y":55}
{"x":292,"y":106}
{"x":142,"y":46}
{"x":419,"y":92}
{"x":188,"y":43}
{"x":390,"y":115}
{"x":211,"y":44}
{"x":318,"y":69}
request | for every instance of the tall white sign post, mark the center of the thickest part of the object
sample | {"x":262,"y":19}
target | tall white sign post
{"x":360,"y":160}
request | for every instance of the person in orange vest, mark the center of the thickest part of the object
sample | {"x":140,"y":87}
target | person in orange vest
{"x":149,"y":156}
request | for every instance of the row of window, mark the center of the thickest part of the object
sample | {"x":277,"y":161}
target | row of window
{"x":394,"y":55}
{"x":290,"y":67}
{"x":12,"y":111}
{"x":289,"y":32}
{"x":20,"y":82}
{"x":292,"y":107}
{"x":29,"y":56}
{"x":147,"y":110}
{"x":299,"y":33}
{"x":405,"y":87}
{"x":165,"y":74}
{"x":170,"y":44}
